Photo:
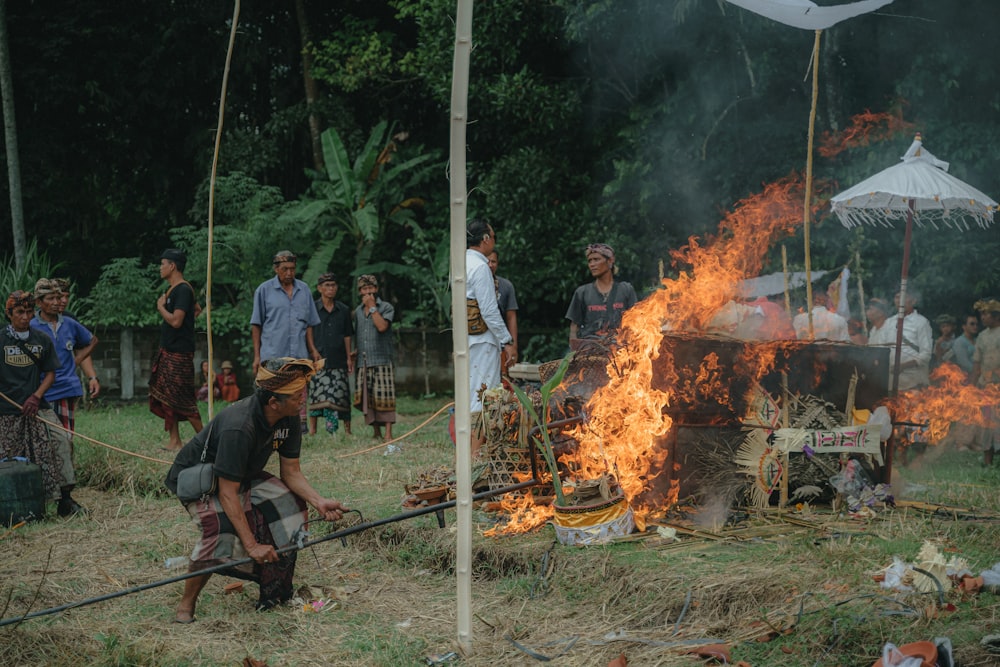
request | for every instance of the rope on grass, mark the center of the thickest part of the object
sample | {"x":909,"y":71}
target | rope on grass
{"x":405,"y":435}
{"x":80,"y":435}
{"x":156,"y":460}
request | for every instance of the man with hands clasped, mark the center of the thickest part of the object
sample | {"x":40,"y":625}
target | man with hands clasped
{"x":375,"y":386}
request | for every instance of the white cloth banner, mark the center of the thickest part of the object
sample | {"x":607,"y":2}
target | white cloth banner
{"x":829,"y":441}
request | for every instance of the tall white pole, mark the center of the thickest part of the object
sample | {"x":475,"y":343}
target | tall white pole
{"x":460,"y":327}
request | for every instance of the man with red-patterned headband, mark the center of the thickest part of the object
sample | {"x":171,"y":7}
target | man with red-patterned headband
{"x":27,"y":369}
{"x":596,"y":309}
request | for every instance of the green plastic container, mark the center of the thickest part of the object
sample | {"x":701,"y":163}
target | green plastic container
{"x":22,"y":496}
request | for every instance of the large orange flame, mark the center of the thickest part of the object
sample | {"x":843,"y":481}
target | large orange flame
{"x":949,"y":400}
{"x":627,"y":423}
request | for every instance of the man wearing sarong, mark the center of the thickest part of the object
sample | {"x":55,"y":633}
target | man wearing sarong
{"x":329,"y":390}
{"x":27,"y":369}
{"x":74,"y":345}
{"x":488,"y":333}
{"x":375,"y":389}
{"x":252,"y":513}
{"x":172,"y":394}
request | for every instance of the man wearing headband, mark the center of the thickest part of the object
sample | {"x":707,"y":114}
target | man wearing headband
{"x":73,"y":345}
{"x":375,"y":386}
{"x":283,"y":316}
{"x":596,"y":309}
{"x":27,"y":370}
{"x":489,"y":338}
{"x":986,"y":372}
{"x":172,"y":394}
{"x":253,"y":513}
{"x":329,"y":390}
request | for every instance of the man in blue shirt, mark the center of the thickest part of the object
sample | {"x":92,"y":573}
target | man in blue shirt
{"x":73,"y":344}
{"x":283,"y":317}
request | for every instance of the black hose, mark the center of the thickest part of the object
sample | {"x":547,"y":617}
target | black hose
{"x":290,"y":548}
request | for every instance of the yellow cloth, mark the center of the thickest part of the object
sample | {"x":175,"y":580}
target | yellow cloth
{"x":292,"y":378}
{"x":591,"y":517}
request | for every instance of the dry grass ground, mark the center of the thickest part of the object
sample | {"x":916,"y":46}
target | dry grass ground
{"x":808,"y":581}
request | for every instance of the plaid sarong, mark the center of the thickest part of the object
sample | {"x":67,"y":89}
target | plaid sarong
{"x":65,"y":409}
{"x":29,"y":438}
{"x":275,"y":515}
{"x":172,"y":394}
{"x":376,"y":394}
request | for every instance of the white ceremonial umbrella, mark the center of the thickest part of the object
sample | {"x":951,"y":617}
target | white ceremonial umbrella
{"x":918,"y":189}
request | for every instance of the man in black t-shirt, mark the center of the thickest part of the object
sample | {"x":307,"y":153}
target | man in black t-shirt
{"x":596,"y":309}
{"x":28,"y":363}
{"x":253,"y":513}
{"x":172,"y":394}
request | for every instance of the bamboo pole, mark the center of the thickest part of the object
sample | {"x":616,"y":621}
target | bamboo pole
{"x":460,"y":327}
{"x":211,"y":211}
{"x":784,"y":271}
{"x":809,"y":177}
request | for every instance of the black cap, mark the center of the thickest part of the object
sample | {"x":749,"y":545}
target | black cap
{"x":176,"y":256}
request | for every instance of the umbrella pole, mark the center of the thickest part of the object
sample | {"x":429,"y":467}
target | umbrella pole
{"x":902,"y":299}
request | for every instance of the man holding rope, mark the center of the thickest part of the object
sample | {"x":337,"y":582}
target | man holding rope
{"x":27,"y":370}
{"x":253,"y":513}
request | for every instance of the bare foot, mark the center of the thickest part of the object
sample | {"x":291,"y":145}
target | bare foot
{"x":184,"y":616}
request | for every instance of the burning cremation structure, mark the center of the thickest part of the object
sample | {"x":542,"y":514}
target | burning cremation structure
{"x":664,"y":374}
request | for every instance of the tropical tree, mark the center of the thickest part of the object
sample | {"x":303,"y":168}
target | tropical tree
{"x":350,"y":206}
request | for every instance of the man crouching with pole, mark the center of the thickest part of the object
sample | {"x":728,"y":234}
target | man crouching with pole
{"x":250,"y":512}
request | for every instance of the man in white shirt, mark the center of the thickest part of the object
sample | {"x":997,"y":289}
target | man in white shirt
{"x":918,"y":344}
{"x":488,"y":332}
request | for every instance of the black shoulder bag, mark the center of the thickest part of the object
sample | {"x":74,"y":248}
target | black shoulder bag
{"x":199,"y":481}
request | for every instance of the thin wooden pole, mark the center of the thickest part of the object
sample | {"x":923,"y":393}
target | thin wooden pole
{"x":211,"y":211}
{"x":460,"y":327}
{"x":809,"y":178}
{"x":901,"y":308}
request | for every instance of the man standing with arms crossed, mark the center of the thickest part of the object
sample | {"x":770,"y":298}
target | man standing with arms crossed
{"x":488,"y":334}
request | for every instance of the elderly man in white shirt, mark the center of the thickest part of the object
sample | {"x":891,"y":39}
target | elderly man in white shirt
{"x":918,"y":344}
{"x":488,"y":333}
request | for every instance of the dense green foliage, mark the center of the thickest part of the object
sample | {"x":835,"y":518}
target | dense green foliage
{"x":636,"y":122}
